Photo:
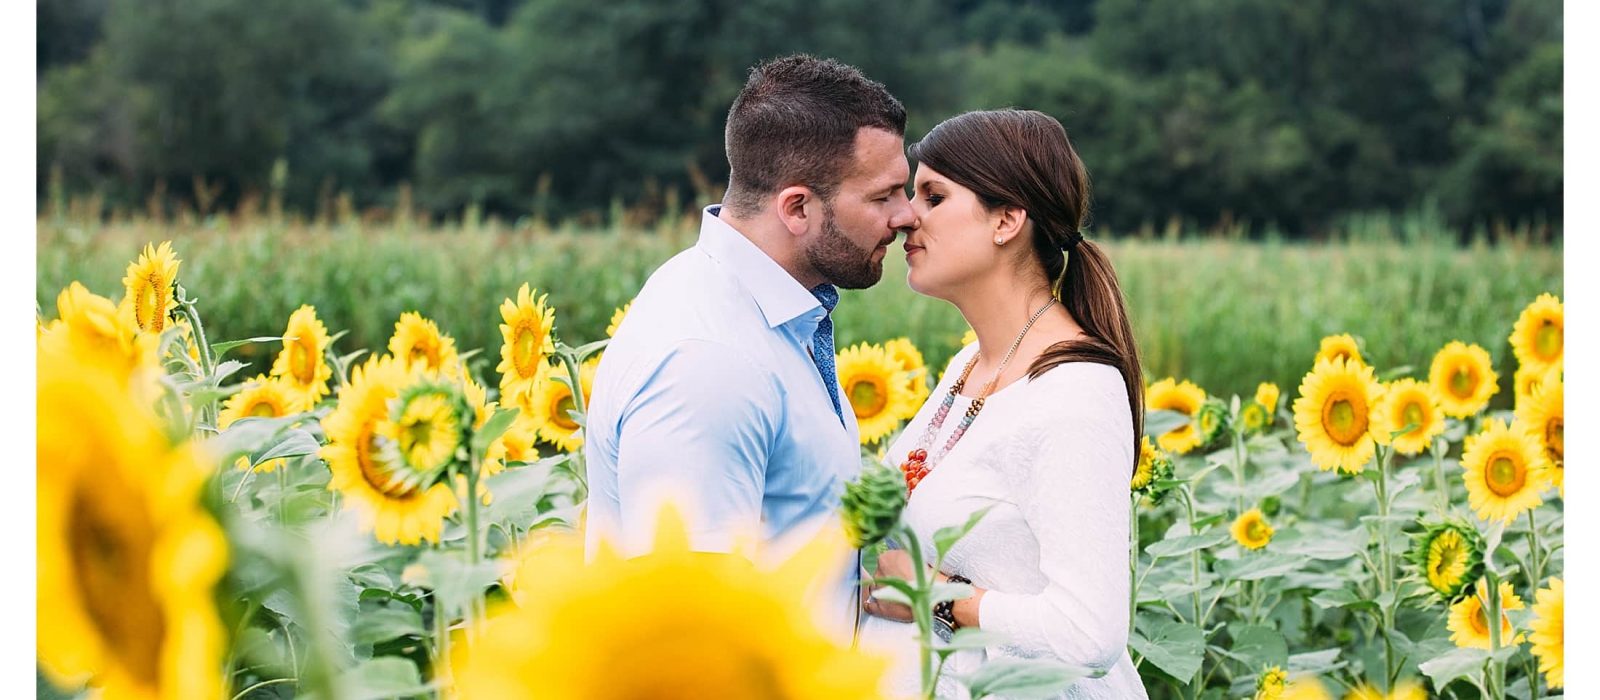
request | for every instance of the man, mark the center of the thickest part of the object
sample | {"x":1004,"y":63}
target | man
{"x":719,"y":390}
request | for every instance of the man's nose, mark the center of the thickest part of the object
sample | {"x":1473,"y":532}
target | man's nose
{"x":904,"y":218}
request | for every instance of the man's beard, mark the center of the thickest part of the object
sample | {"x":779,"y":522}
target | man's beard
{"x":839,"y":260}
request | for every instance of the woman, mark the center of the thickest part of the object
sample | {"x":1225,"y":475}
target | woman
{"x":1043,"y":427}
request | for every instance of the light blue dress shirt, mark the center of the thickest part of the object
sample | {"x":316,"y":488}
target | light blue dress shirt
{"x":707,"y":396}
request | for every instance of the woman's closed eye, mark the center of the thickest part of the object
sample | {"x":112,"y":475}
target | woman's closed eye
{"x":933,"y":199}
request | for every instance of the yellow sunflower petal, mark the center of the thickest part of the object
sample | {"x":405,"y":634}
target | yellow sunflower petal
{"x":1538,"y":338}
{"x":1465,"y":378}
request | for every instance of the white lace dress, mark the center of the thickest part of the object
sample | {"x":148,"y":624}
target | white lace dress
{"x":1054,"y":456}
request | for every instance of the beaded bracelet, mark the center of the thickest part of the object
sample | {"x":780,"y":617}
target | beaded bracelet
{"x":946,"y":611}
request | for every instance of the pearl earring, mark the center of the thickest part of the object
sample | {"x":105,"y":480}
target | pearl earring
{"x":999,"y":240}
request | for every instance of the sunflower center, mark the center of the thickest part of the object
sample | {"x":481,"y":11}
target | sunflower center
{"x":1547,"y":341}
{"x":559,"y":415}
{"x":1445,"y":557}
{"x":525,"y":352}
{"x":1412,"y":415}
{"x":111,"y":540}
{"x":1505,"y":475}
{"x":148,"y":307}
{"x":1480,"y":620}
{"x":378,"y":474}
{"x":423,"y":353}
{"x":1254,"y":416}
{"x":427,"y":431}
{"x":1464,"y":382}
{"x":1344,"y":421}
{"x":868,"y":397}
{"x":263,"y":409}
{"x":1256,"y":531}
{"x":1554,"y":440}
{"x":302,"y":361}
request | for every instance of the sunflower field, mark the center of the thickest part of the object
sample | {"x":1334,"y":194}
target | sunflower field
{"x":403,"y":519}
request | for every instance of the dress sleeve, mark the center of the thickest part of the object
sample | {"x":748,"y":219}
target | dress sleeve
{"x":698,"y":433}
{"x":1073,"y":494}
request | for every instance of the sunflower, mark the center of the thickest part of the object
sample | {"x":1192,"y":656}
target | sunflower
{"x":127,"y":555}
{"x":429,"y":424}
{"x":1408,"y":402}
{"x":1469,"y":626}
{"x":399,"y":504}
{"x":1525,"y":381}
{"x":1464,"y":377}
{"x":1543,"y":413}
{"x":1448,"y":556}
{"x":1253,"y":417}
{"x":1308,"y":688}
{"x":265,"y":397}
{"x":616,"y":319}
{"x":1267,"y":397}
{"x":1154,"y":466}
{"x":550,"y":406}
{"x":1333,"y":412}
{"x":150,"y":287}
{"x":910,"y":358}
{"x":1270,"y":684}
{"x":1213,"y":421}
{"x":1186,"y":398}
{"x":877,"y":389}
{"x":417,"y":341}
{"x":1340,"y":347}
{"x":1402,"y":690}
{"x":732,"y":631}
{"x":90,"y":329}
{"x":1251,"y":530}
{"x":1505,"y":470}
{"x":525,"y":342}
{"x":302,"y":361}
{"x":1537,"y":339}
{"x":1548,"y":632}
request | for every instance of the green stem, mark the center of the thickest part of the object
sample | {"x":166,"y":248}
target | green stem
{"x":441,"y":649}
{"x":1496,"y":676}
{"x":580,"y":404}
{"x":1238,"y":471}
{"x":1535,"y":562}
{"x":1386,"y":562}
{"x":1194,"y":580}
{"x":1438,"y":449}
{"x":922,"y":611}
{"x":208,"y":363}
{"x":283,"y":493}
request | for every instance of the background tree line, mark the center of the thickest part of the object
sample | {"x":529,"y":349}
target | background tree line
{"x":1289,"y":114}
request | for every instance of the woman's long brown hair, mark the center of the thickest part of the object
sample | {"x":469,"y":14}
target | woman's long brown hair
{"x":1022,"y":158}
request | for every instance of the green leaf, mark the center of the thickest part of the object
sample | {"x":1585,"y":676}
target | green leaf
{"x":247,"y":436}
{"x":217,"y":349}
{"x":946,"y":537}
{"x":1186,"y":544}
{"x":381,"y":624}
{"x":455,"y":580}
{"x":1260,"y":566}
{"x":971,"y":638}
{"x":382,"y":677}
{"x":225,"y":370}
{"x":493,"y":429}
{"x":1258,"y":647}
{"x":1163,"y":421}
{"x":1025,"y":678}
{"x":294,"y":442}
{"x":892,"y":594}
{"x":1173,"y":647}
{"x":1454,"y":664}
{"x":1341,"y":598}
{"x":1325,"y":546}
{"x":1317,"y":662}
{"x":950,"y":591}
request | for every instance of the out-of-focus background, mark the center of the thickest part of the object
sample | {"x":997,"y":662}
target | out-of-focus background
{"x":1265,"y":172}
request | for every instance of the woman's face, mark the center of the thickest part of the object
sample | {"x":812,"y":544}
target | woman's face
{"x":951,"y":240}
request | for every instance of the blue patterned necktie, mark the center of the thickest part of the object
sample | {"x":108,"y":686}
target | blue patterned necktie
{"x":822,"y":344}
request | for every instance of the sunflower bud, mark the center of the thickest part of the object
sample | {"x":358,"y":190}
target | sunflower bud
{"x":872,"y":504}
{"x":1154,"y":467}
{"x":1448,"y":557}
{"x":1211,"y":421}
{"x":425,"y":433}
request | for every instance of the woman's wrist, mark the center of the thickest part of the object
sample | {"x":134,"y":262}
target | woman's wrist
{"x":964,"y":611}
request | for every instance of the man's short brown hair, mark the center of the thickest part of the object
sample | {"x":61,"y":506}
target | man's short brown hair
{"x":795,"y":123}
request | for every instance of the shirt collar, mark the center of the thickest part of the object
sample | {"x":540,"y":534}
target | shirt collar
{"x":777,"y":293}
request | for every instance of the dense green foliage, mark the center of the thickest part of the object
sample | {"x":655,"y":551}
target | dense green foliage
{"x":1288,"y":113}
{"x":1226,"y":314}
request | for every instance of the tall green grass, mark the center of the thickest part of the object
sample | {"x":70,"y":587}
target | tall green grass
{"x":1224,"y":313}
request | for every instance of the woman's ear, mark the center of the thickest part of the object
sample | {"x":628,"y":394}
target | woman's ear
{"x":1010,"y":223}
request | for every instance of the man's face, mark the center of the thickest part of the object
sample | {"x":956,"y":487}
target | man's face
{"x":866,"y":211}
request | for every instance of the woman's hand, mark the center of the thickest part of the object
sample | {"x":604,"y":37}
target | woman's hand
{"x":894,"y":563}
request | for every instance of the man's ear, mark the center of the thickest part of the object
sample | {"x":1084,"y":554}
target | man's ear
{"x":1010,"y":223}
{"x":793,"y":204}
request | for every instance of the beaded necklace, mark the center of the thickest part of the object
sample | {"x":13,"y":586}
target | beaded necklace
{"x":917,"y":463}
